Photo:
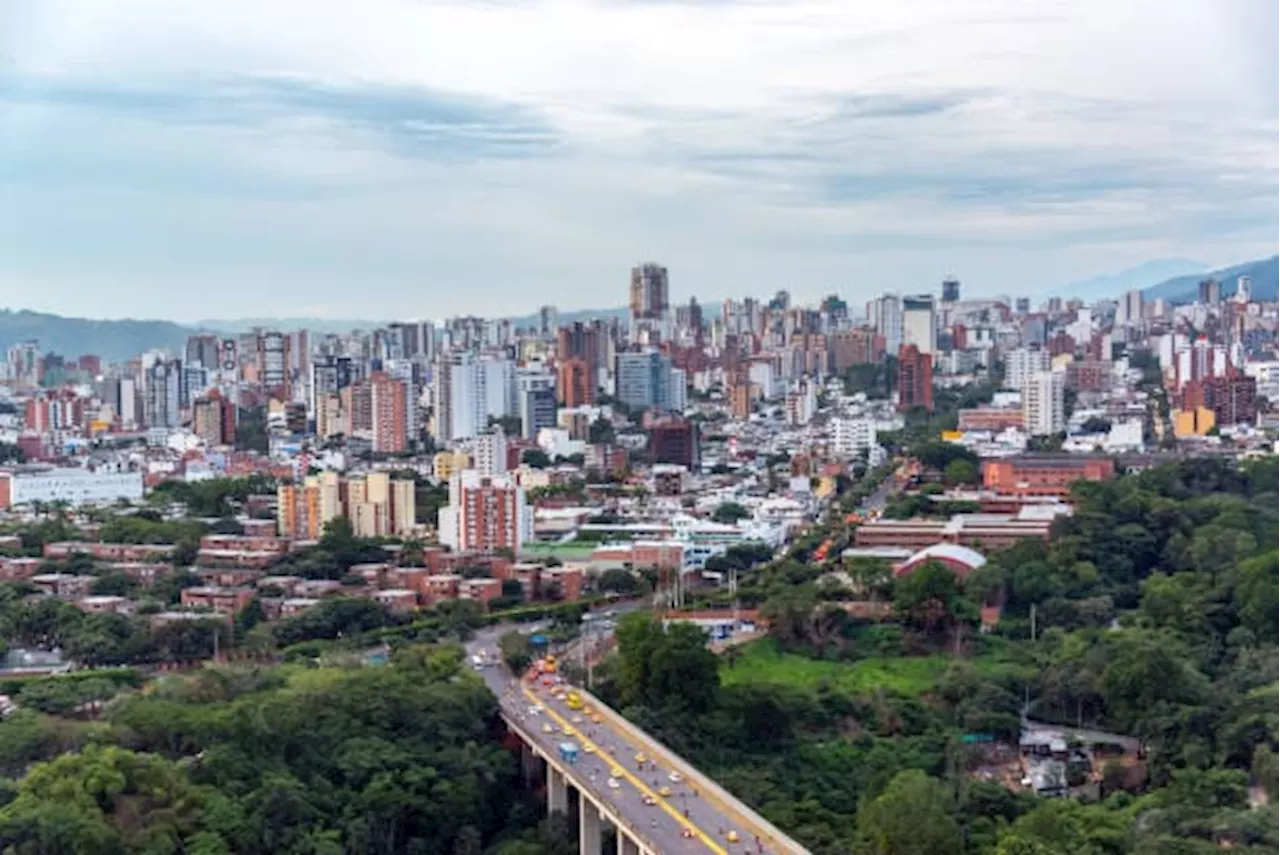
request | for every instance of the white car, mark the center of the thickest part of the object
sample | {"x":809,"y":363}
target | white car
{"x":535,"y":709}
{"x":613,"y":783}
{"x":675,"y":777}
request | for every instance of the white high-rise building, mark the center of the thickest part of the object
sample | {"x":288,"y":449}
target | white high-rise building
{"x":499,"y":380}
{"x":1244,"y":290}
{"x":920,"y":322}
{"x":1021,"y":364}
{"x":1043,"y":409}
{"x":885,"y":314}
{"x":491,"y":452}
{"x":678,"y":390}
{"x":1129,"y":309}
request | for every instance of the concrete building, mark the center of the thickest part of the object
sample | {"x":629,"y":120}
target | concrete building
{"x":885,"y":314}
{"x":484,"y":514}
{"x":1020,"y":364}
{"x":75,"y":486}
{"x":915,"y":378}
{"x":1043,"y":411}
{"x":920,"y":323}
{"x":643,"y":379}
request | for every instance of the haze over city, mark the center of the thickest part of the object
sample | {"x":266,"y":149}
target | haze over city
{"x":401,"y":159}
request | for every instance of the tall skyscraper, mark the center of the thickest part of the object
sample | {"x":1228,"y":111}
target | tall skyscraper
{"x":1043,"y":409}
{"x":920,"y":323}
{"x":1021,"y":364}
{"x":162,"y":397}
{"x":577,"y":360}
{"x":950,"y":290}
{"x":643,"y":379}
{"x":546,"y":322}
{"x":205,"y":351}
{"x":1210,"y":291}
{"x":1129,"y":309}
{"x":885,"y":314}
{"x":649,"y":301}
{"x":915,"y":378}
{"x":388,"y":413}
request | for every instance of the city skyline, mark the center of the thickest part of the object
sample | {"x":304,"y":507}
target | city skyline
{"x":425,"y":160}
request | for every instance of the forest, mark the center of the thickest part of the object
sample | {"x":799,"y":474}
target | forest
{"x":1156,"y":616}
{"x":373,"y":760}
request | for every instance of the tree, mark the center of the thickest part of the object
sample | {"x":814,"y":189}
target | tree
{"x":516,"y":650}
{"x":535,"y":458}
{"x":962,"y":472}
{"x":617,"y":580}
{"x":930,"y":599}
{"x":729,"y":513}
{"x":913,"y":816}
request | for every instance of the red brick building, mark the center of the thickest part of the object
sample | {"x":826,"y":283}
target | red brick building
{"x":915,"y":378}
{"x":1034,"y":475}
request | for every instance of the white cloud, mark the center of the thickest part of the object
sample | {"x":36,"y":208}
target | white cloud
{"x":816,"y":144}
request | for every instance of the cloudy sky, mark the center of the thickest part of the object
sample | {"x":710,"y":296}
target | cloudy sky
{"x":420,"y":158}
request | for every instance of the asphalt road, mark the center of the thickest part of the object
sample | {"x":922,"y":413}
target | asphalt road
{"x":661,"y":824}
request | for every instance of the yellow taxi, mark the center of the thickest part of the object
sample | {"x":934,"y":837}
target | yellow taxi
{"x":597,"y":718}
{"x":732,"y":836}
{"x":569,"y":731}
{"x":588,"y":749}
{"x":641,"y":758}
{"x":546,"y":728}
{"x":664,"y":791}
{"x":615,"y":772}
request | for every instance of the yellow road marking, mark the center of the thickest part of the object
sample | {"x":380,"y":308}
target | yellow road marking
{"x":636,"y":782}
{"x":728,"y":809}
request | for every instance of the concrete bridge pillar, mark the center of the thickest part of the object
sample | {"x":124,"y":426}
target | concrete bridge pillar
{"x":530,"y":764}
{"x":589,"y":827}
{"x":557,"y":791}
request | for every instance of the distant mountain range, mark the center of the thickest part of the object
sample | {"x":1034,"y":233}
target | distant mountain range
{"x":72,"y":337}
{"x":1180,"y":289}
{"x":1112,"y":285}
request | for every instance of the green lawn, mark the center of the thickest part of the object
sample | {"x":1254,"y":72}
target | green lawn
{"x":761,"y":662}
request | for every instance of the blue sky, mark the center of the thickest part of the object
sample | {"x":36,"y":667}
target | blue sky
{"x":415,"y":158}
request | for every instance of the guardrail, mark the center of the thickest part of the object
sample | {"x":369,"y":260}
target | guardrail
{"x":768,"y":833}
{"x":585,"y":789}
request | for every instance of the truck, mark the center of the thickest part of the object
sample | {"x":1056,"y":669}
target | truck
{"x":569,"y":752}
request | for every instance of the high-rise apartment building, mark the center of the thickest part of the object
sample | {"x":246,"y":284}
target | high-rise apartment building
{"x":485,"y":514}
{"x":915,"y":378}
{"x":205,"y":351}
{"x":950,"y":290}
{"x":490,"y":452}
{"x":885,"y":314}
{"x":920,"y":323}
{"x":578,"y":361}
{"x":213,"y":419}
{"x":1210,"y":291}
{"x":856,"y":347}
{"x":643,"y":379}
{"x":1043,"y":409}
{"x":273,"y":362}
{"x":1129,"y":309}
{"x":388,"y":410}
{"x":162,"y":396}
{"x":649,"y":301}
{"x":460,"y":395}
{"x":375,"y":504}
{"x":1021,"y":364}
